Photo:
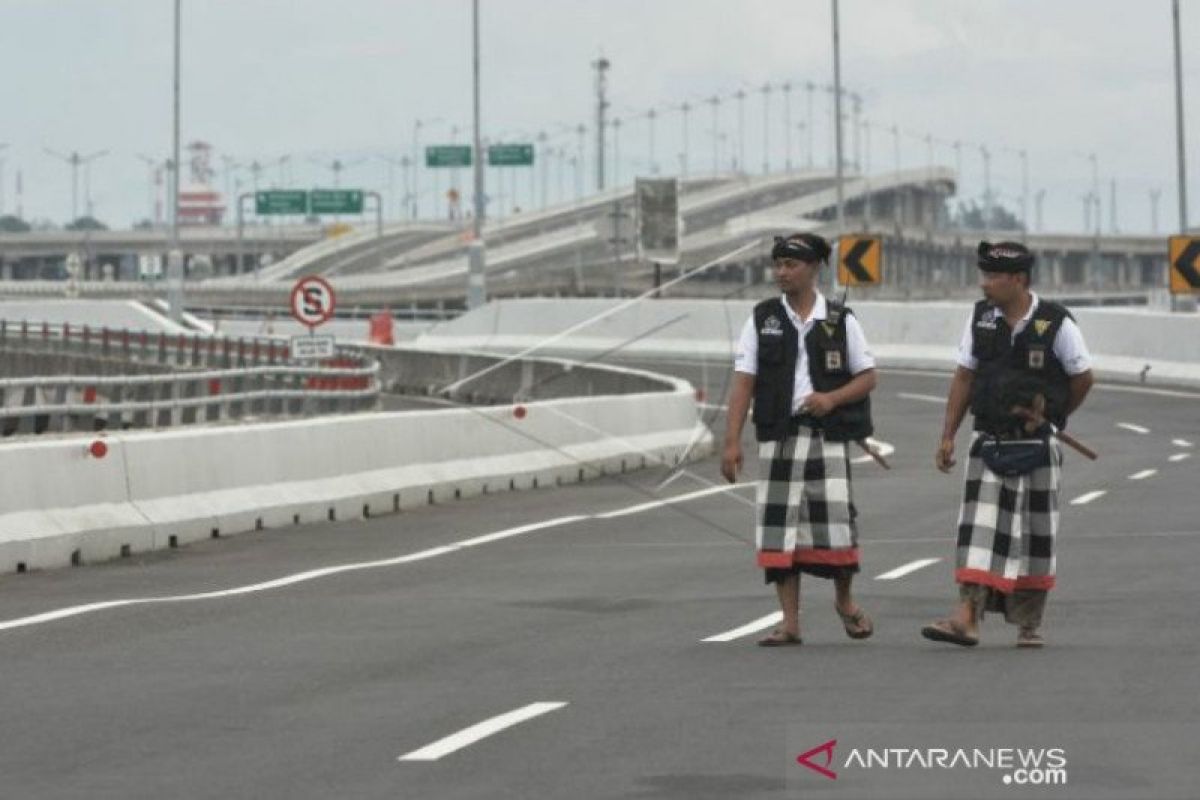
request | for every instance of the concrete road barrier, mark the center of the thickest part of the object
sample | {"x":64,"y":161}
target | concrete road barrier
{"x":60,"y":504}
{"x":912,"y":334}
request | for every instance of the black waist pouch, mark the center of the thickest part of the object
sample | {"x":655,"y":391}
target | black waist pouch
{"x":1009,"y":458}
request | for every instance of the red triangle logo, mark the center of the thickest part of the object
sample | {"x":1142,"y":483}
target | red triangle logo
{"x":804,"y":759}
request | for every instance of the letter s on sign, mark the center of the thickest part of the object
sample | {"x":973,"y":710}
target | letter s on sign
{"x":312,"y":301}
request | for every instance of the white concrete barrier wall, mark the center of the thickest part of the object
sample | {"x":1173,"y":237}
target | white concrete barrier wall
{"x":916,"y":334}
{"x":154,"y":489}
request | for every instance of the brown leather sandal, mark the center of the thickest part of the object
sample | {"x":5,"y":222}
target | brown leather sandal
{"x":949,"y":630}
{"x":1029,"y":637}
{"x":858,"y":625}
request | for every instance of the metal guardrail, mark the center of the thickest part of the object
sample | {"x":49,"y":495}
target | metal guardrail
{"x":203,"y":379}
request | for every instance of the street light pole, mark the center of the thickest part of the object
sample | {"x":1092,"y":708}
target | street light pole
{"x":174,"y":255}
{"x":1179,"y":141}
{"x":476,"y":254}
{"x":2,"y":146}
{"x":601,"y":66}
{"x":1025,"y":190}
{"x":684,"y":110}
{"x":650,"y":115}
{"x":766,"y":93}
{"x":1095,"y":276}
{"x":1182,"y":174}
{"x":787,"y":125}
{"x":809,"y":86}
{"x":715,"y":102}
{"x":837,"y":126}
{"x":740,"y":94}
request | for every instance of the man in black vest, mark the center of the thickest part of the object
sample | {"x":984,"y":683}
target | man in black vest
{"x":1019,"y":352}
{"x":805,"y":364}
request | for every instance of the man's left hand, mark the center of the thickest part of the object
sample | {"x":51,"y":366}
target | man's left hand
{"x":819,"y":404}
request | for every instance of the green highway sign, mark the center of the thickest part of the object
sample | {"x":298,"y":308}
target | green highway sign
{"x":288,"y":201}
{"x":448,"y":155}
{"x":335,"y":201}
{"x":510,"y":155}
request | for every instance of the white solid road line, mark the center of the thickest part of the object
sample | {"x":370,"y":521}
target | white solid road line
{"x":924,"y":398}
{"x":1179,"y":457}
{"x":747,"y":629}
{"x":482,"y":730}
{"x":681,"y":498}
{"x":1129,"y":426}
{"x":1084,"y":499}
{"x":313,"y":574}
{"x":1146,"y":473}
{"x":1181,"y":443}
{"x":905,"y":569}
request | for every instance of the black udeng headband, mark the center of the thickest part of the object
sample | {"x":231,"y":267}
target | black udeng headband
{"x":1004,"y":257}
{"x":793,"y":248}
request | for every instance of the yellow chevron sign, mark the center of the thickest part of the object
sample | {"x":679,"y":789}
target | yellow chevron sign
{"x":860,"y":260}
{"x":1184,"y":260}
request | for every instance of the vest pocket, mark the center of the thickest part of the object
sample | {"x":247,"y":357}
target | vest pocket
{"x":770,"y":352}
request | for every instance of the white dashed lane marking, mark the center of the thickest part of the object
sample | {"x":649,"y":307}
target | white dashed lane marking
{"x":1181,"y":443}
{"x":1146,"y":473}
{"x":1084,"y":499}
{"x":906,"y":569}
{"x":745,"y":630}
{"x":1129,"y":426}
{"x":1179,"y":457}
{"x":482,"y":730}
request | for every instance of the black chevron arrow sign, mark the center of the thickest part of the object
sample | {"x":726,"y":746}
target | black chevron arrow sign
{"x":1188,"y":263}
{"x":853,"y":261}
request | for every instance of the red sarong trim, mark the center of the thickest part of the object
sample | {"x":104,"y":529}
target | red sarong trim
{"x":1036,"y":582}
{"x":840,"y":558}
{"x":769,"y":558}
{"x":985,"y":578}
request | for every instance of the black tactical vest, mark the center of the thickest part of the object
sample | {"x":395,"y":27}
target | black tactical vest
{"x":1013,"y":370}
{"x":828,"y":368}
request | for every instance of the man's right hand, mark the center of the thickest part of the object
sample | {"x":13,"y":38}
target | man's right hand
{"x":944,"y":459}
{"x":731,"y":461}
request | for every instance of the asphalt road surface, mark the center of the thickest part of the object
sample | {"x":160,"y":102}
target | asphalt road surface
{"x":552,"y":644}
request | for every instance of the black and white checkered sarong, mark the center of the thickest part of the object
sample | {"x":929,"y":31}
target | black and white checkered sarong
{"x":1007,"y":527}
{"x":805,"y":503}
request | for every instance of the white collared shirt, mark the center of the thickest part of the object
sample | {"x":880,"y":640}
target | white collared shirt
{"x":1069,"y":347}
{"x":857,"y":350}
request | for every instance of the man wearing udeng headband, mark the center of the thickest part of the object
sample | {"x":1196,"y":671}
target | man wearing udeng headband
{"x":804,"y":363}
{"x":1019,"y":357}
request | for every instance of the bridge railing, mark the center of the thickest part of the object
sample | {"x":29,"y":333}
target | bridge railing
{"x":194,"y":380}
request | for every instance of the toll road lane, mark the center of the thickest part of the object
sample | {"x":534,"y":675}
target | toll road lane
{"x":321,"y":683}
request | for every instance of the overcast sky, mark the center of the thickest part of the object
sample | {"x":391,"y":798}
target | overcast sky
{"x":315,"y":81}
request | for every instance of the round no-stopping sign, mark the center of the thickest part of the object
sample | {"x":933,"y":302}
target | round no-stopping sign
{"x":312,"y":301}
